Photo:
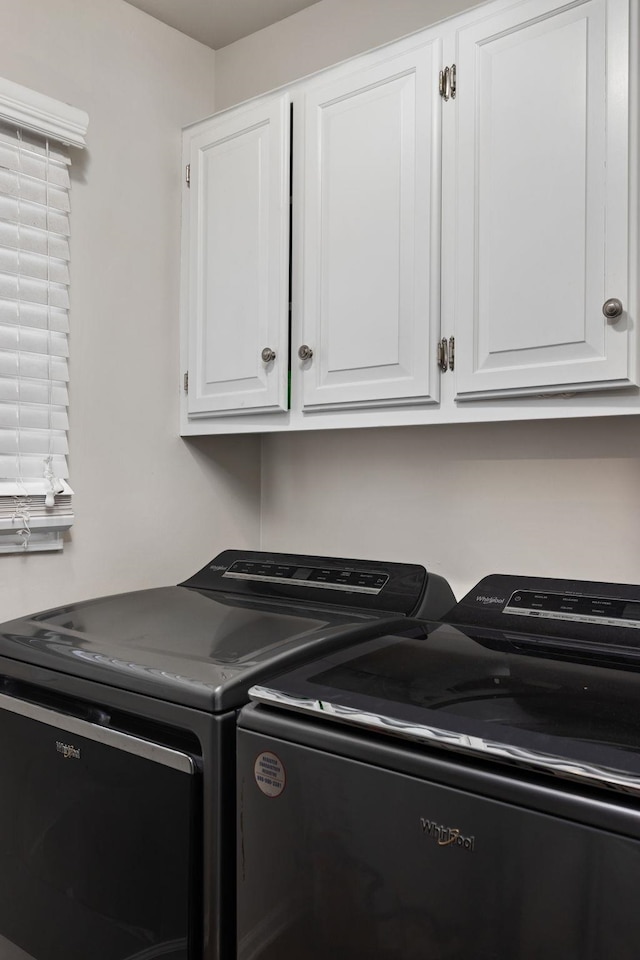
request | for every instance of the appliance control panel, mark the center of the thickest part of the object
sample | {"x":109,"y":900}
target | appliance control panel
{"x":402,"y":589}
{"x":575,"y":608}
{"x":319,"y":578}
{"x":562,"y":608}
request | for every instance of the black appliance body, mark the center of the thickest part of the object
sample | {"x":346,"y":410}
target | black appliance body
{"x":117,"y":725}
{"x":468,"y":790}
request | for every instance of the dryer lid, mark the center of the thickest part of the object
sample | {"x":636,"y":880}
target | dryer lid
{"x":172,"y":643}
{"x":202,"y":644}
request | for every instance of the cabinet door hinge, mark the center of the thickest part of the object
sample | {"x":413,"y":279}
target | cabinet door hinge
{"x":443,"y":355}
{"x":185,"y":382}
{"x":188,"y":175}
{"x":447,"y":82}
{"x":446,"y":354}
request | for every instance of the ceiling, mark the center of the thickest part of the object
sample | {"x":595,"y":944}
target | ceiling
{"x":219,"y":22}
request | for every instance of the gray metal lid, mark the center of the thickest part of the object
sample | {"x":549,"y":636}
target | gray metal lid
{"x":186,"y":646}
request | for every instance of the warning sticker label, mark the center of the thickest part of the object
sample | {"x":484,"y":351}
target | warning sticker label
{"x":269,"y":773}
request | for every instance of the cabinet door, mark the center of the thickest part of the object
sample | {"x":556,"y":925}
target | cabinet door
{"x":370,"y":302}
{"x":542,"y":199}
{"x":238,"y":285}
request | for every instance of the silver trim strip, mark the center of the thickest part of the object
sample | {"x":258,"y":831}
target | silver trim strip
{"x":346,"y":588}
{"x":105,"y":735}
{"x":558,"y":766}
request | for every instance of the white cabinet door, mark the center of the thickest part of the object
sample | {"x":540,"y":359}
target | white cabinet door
{"x":238,"y":256}
{"x":542,"y":199}
{"x":370,"y":300}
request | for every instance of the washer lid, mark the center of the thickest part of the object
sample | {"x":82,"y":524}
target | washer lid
{"x":497,"y":695}
{"x":197,"y":648}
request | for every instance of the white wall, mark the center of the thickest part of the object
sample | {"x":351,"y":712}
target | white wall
{"x":554,"y":498}
{"x":548,"y":498}
{"x":150,"y":508}
{"x":317,"y":37}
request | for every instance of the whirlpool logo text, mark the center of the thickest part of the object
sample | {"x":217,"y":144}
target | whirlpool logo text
{"x":447,"y":836}
{"x":68,"y":751}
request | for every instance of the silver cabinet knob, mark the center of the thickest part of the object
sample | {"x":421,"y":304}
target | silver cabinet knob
{"x":612,"y":308}
{"x":305,"y":352}
{"x":268,"y":355}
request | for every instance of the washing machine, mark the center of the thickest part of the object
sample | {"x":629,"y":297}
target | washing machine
{"x":462,"y":790}
{"x":117,"y":736}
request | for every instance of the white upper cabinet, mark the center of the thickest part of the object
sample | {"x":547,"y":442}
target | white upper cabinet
{"x":464,"y":220}
{"x":237,"y":255}
{"x":369,"y":314}
{"x":541,"y":159}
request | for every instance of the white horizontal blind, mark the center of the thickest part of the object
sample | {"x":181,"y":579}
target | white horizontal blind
{"x":34,"y":303}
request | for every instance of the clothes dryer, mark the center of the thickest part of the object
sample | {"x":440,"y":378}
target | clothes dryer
{"x":117,"y":726}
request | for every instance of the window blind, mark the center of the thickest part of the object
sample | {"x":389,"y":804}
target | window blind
{"x":35,"y":499}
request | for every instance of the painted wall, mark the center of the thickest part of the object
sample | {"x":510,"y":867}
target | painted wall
{"x":317,"y":37}
{"x":551,"y":498}
{"x":150,"y":508}
{"x":548,"y":498}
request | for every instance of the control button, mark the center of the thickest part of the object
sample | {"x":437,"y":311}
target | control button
{"x":284,"y":572}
